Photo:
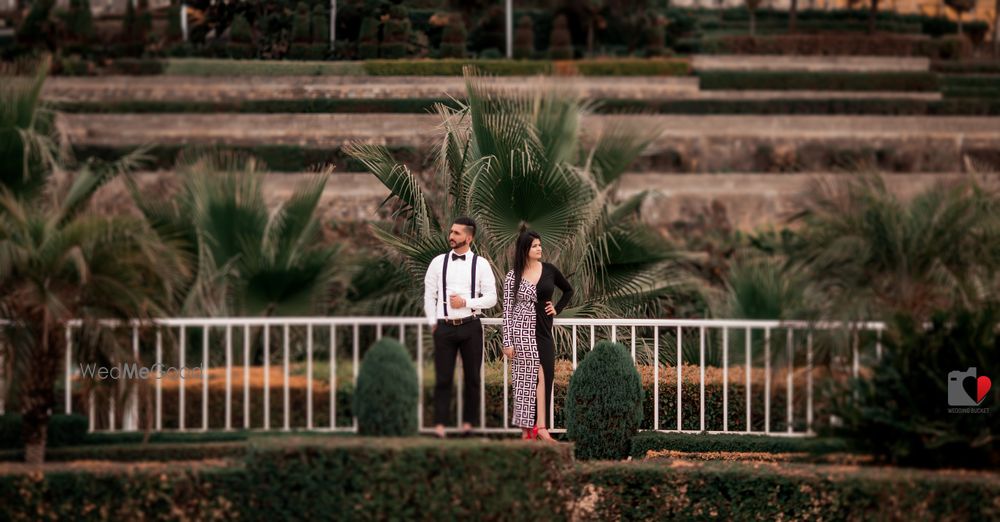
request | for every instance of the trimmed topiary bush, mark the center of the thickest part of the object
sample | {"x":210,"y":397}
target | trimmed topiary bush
{"x":560,"y":43}
{"x":453,"y":40}
{"x":368,"y":39}
{"x":604,"y":404}
{"x":524,"y":38}
{"x":386,"y":395}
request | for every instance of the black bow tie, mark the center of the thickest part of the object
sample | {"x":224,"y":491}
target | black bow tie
{"x":455,"y":257}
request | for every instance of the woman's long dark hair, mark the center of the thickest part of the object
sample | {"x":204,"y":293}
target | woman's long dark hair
{"x":521,"y":249}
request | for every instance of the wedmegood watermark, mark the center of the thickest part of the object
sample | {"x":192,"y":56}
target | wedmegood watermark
{"x":134,"y":371}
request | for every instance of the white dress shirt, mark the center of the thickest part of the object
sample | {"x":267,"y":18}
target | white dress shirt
{"x":460,"y":284}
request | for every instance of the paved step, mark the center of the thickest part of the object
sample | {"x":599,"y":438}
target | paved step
{"x":712,"y":143}
{"x":748,"y":200}
{"x":704,"y":62}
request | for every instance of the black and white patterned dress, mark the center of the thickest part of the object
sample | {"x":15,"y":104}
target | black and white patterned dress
{"x":528,"y":329}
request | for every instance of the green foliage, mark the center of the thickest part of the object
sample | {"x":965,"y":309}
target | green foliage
{"x":560,"y":42}
{"x":386,"y":395}
{"x":136,"y":451}
{"x":818,"y":81}
{"x":453,"y":67}
{"x":453,"y":40}
{"x":557,"y":183}
{"x":397,"y":479}
{"x":368,"y":39}
{"x":524,"y":39}
{"x":875,"y":255}
{"x":320,"y":26}
{"x":604,"y":404}
{"x":64,"y":430}
{"x":652,"y":441}
{"x":80,"y":22}
{"x":249,"y":261}
{"x":300,"y":24}
{"x":48,"y":240}
{"x":240,"y":32}
{"x":743,"y":491}
{"x":901,"y":412}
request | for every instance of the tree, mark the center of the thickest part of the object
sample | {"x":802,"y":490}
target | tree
{"x":516,"y":159}
{"x":793,"y":11}
{"x":560,"y":42}
{"x":872,"y":16}
{"x":874,"y":256}
{"x":752,"y":6}
{"x":524,"y":38}
{"x":960,"y":7}
{"x":248,"y":261}
{"x":59,"y":262}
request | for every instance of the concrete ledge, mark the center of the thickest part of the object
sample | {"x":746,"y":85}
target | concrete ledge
{"x":706,"y":62}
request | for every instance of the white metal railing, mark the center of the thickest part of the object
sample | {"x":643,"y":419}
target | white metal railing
{"x":699,"y":345}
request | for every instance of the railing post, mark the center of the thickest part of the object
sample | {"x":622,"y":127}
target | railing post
{"x":725,"y":378}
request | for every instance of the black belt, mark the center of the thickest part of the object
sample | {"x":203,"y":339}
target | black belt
{"x":458,"y":322}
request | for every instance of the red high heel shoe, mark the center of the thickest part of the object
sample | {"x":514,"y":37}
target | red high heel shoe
{"x":529,"y":434}
{"x":545,"y":437}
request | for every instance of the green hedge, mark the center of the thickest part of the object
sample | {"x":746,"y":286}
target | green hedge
{"x":441,"y":67}
{"x":278,"y":158}
{"x":319,"y":106}
{"x":420,"y":479}
{"x":824,"y":81}
{"x":409,"y":479}
{"x":830,"y":106}
{"x":64,"y":430}
{"x":717,"y":490}
{"x":453,"y":67}
{"x":134,"y":452}
{"x":223,"y":67}
{"x":687,"y":442}
{"x":967,"y":67}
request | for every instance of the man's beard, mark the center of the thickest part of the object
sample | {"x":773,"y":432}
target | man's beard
{"x":455,"y":244}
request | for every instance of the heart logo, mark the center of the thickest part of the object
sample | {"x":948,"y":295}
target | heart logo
{"x":983,"y":385}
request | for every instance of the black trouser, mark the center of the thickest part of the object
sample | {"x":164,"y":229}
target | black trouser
{"x":467,"y":340}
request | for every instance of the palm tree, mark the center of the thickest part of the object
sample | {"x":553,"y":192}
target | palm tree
{"x":58,"y":261}
{"x":249,"y":261}
{"x":874,"y":255}
{"x":516,"y":159}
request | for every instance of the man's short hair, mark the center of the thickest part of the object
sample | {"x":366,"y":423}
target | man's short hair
{"x":466,"y":221}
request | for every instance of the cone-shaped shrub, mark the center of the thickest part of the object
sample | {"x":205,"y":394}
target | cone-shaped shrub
{"x":604,"y":403}
{"x":386,"y":395}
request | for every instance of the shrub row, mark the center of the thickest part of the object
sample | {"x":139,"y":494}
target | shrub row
{"x":966,"y":67}
{"x":830,"y":106}
{"x":720,"y":490}
{"x":652,"y":441}
{"x":442,"y":67}
{"x":947,"y":48}
{"x":64,"y":430}
{"x":395,"y":479}
{"x":690,"y":403}
{"x":278,"y":158}
{"x":136,"y":452}
{"x":818,"y":81}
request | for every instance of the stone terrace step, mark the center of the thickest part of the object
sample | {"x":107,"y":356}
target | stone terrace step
{"x":190,"y":88}
{"x":748,"y":200}
{"x":695,"y":143}
{"x":703,"y":62}
{"x":233,"y":89}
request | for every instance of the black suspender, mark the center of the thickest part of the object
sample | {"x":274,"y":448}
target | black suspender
{"x":444,"y":281}
{"x":444,"y":284}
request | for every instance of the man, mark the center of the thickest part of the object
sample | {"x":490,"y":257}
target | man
{"x":457,"y":287}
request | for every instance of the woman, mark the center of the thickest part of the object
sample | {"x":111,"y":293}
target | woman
{"x":527,"y":332}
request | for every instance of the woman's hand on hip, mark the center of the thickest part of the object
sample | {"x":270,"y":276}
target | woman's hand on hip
{"x":508,"y":351}
{"x":549,"y":308}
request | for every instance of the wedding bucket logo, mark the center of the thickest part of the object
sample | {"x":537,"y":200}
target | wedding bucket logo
{"x":968,"y":390}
